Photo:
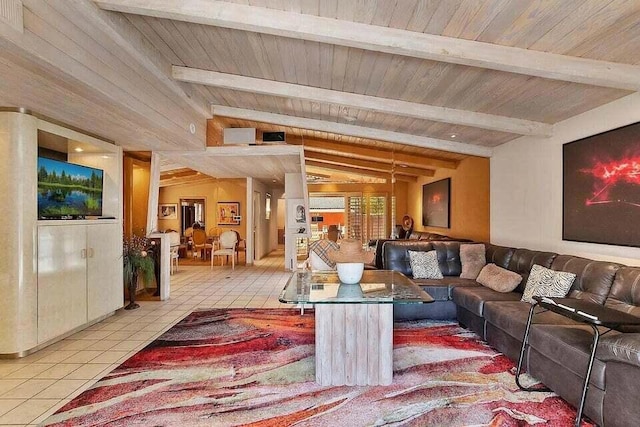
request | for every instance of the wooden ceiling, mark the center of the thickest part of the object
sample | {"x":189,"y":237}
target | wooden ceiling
{"x":430,"y":78}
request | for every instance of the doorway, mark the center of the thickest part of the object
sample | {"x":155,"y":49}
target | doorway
{"x":192,"y":212}
{"x":257,"y":226}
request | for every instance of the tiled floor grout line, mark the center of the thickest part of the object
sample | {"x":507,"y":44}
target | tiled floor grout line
{"x":34,"y":387}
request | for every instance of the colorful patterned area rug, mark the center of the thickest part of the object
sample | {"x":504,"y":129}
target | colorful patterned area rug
{"x":232,"y":367}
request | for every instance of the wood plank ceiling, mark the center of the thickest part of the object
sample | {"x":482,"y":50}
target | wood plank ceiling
{"x":435,"y":79}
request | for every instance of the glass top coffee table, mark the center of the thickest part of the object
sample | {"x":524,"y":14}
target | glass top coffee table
{"x":354,"y":323}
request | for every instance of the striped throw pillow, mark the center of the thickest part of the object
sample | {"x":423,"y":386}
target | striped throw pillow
{"x":543,"y":282}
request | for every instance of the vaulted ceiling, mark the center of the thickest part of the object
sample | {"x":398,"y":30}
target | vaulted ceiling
{"x":435,"y":79}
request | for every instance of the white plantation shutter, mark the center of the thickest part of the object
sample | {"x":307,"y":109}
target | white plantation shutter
{"x":354,"y":216}
{"x":376,"y":217}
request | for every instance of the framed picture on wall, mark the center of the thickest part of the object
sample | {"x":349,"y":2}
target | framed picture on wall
{"x":168,"y":211}
{"x":229,"y":213}
{"x":436,"y":207}
{"x":601,"y":188}
{"x":296,"y":214}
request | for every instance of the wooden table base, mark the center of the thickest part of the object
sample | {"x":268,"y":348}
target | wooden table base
{"x":354,"y":344}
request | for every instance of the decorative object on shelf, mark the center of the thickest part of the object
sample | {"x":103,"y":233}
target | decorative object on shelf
{"x":229,"y":213}
{"x":407,"y":227}
{"x":600,"y":188}
{"x":436,"y":206}
{"x":136,"y":261}
{"x":350,"y":259}
{"x":168,"y":211}
{"x":296,"y":213}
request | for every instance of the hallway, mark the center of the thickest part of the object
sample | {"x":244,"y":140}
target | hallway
{"x":35,"y":386}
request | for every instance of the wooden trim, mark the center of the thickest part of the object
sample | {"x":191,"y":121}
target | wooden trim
{"x":389,"y":40}
{"x":366,"y":164}
{"x":360,"y":171}
{"x":375,"y":154}
{"x":363,"y":102}
{"x":351,"y":130}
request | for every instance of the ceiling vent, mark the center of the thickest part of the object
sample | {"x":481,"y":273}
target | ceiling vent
{"x":239,"y":136}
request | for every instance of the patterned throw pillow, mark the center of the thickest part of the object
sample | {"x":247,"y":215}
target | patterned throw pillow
{"x":425,"y":265}
{"x":544,"y":282}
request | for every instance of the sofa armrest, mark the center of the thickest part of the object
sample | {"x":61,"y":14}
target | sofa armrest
{"x":623,"y":348}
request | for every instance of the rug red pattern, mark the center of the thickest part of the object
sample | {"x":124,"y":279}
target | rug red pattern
{"x":231,"y":367}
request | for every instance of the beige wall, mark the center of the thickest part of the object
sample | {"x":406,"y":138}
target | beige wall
{"x":224,"y":190}
{"x":526,"y":186}
{"x":469,"y":200}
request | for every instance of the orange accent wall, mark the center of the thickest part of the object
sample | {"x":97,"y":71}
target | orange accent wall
{"x":469,"y":200}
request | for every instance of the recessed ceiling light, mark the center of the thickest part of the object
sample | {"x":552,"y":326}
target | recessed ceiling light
{"x":78,"y":150}
{"x":105,"y":157}
{"x":453,"y":135}
{"x":403,"y":166}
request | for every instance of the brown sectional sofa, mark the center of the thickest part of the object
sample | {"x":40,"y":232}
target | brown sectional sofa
{"x":559,"y":347}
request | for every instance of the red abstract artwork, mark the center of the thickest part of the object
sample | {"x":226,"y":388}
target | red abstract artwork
{"x":602,"y":188}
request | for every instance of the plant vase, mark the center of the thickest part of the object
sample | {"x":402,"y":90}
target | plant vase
{"x":132,"y":287}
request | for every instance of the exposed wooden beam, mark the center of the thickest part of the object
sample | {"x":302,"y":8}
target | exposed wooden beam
{"x":187,"y":180}
{"x":351,"y":130}
{"x":366,"y":164}
{"x":365,"y":153}
{"x":385,"y":39}
{"x":178,"y":174}
{"x":359,"y":171}
{"x":363,"y":102}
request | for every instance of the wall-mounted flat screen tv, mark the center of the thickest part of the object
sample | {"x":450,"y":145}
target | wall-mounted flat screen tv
{"x":67,"y":190}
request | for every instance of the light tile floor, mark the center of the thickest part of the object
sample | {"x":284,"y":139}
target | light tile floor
{"x":34,"y":387}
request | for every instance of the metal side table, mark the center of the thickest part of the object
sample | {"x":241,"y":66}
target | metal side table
{"x":585,"y":312}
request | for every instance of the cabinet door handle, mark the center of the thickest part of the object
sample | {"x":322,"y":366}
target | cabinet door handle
{"x":83,"y":253}
{"x":90,"y":252}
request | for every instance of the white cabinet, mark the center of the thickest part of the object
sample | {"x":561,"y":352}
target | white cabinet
{"x":79,"y":276}
{"x":105,"y":292}
{"x":62,"y":280}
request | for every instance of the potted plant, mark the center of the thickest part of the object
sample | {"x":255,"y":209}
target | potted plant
{"x":137,"y":262}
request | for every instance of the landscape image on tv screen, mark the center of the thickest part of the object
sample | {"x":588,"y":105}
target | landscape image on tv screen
{"x":67,"y":190}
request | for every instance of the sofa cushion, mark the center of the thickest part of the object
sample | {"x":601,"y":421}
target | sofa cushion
{"x":625,"y":291}
{"x":544,"y":282}
{"x":569,"y":343}
{"x":524,"y":259}
{"x":448,"y":282}
{"x":424,"y":265}
{"x":499,"y":279}
{"x":499,"y":255}
{"x":395,"y":255}
{"x":623,"y":348}
{"x":472,"y":259}
{"x":593,"y":278}
{"x":473,"y":298}
{"x":511,"y":316}
{"x":448,"y":257}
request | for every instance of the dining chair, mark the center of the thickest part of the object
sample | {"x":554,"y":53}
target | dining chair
{"x":228,"y":241}
{"x":241,"y":246}
{"x":200,"y":242}
{"x":174,"y":247}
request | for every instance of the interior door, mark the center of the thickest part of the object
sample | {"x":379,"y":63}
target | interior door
{"x":62,"y":279}
{"x":105,"y":289}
